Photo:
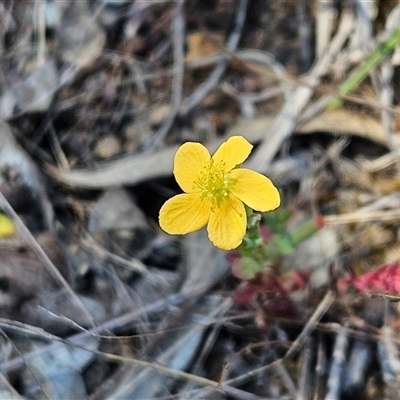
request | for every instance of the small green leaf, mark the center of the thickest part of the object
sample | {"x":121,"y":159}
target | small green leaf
{"x":246,"y":267}
{"x":276,"y":220}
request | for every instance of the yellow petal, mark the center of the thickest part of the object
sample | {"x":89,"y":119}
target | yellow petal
{"x":7,"y":227}
{"x":227,"y":225}
{"x":232,"y":152}
{"x":189,"y":161}
{"x":184,"y":213}
{"x":254,"y":189}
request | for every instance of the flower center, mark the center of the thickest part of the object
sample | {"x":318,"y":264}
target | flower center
{"x":213,"y":182}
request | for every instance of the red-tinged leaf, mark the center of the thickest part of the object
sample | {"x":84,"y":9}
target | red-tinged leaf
{"x":385,"y":278}
{"x":232,"y":256}
{"x":245,"y":293}
{"x":282,"y":307}
{"x":266,"y":234}
{"x":298,"y":280}
{"x":274,"y":283}
{"x":343,"y":283}
{"x":271,"y":289}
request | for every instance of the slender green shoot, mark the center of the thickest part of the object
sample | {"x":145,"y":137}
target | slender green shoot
{"x":363,"y":70}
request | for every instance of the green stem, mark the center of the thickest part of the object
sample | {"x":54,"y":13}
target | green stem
{"x":362,"y":71}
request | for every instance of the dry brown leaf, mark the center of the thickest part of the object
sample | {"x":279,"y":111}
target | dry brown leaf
{"x":202,"y":44}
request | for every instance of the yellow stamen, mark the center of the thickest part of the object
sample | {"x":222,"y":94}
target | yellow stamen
{"x":214,"y":182}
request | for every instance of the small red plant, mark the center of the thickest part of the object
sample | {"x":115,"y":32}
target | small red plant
{"x":273,"y":292}
{"x":385,"y":278}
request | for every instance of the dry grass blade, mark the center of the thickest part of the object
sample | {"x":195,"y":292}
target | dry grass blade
{"x":337,"y":367}
{"x":133,"y":264}
{"x":305,"y":385}
{"x":325,"y":63}
{"x":34,"y":332}
{"x":173,"y":353}
{"x":7,"y":391}
{"x":296,"y":100}
{"x":119,"y":322}
{"x":293,"y":348}
{"x":376,"y":211}
{"x":324,"y":23}
{"x":178,"y":35}
{"x":390,"y":361}
{"x":47,"y":263}
{"x":30,"y":331}
{"x":277,"y":366}
{"x":320,"y":369}
{"x":284,"y":123}
{"x":362,"y":216}
{"x":222,"y":64}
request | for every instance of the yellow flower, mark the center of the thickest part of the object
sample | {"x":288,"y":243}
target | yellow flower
{"x":215,"y":190}
{"x":7,"y":227}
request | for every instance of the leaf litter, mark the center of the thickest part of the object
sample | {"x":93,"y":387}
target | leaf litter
{"x":95,"y":301}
